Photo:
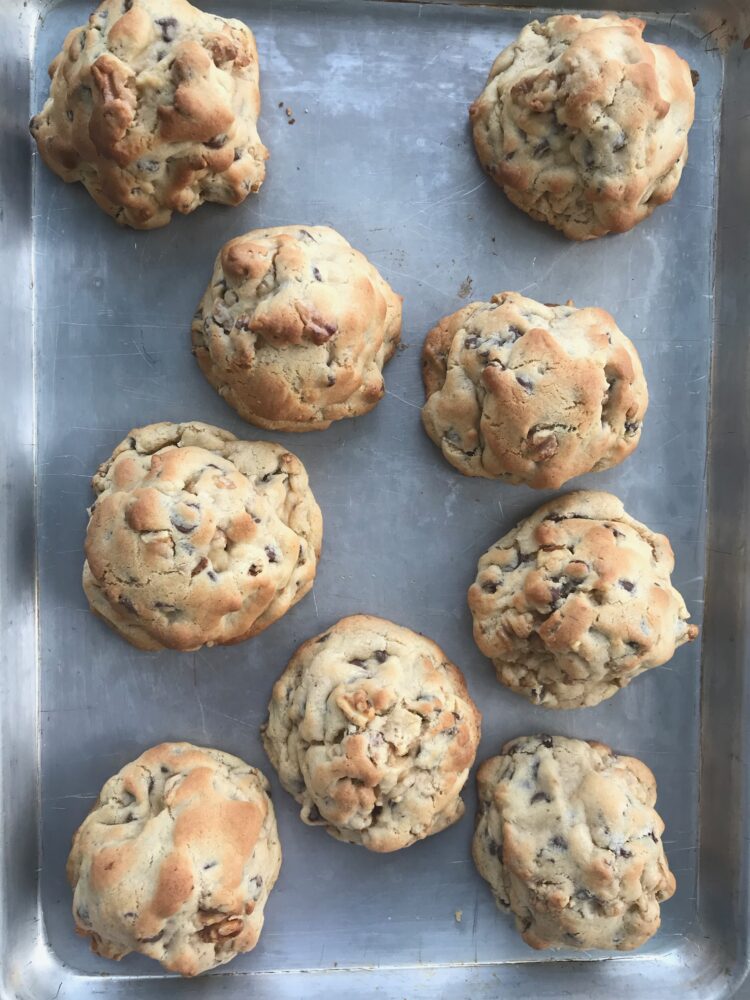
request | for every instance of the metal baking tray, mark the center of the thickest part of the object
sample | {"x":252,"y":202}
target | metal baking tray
{"x":96,"y":340}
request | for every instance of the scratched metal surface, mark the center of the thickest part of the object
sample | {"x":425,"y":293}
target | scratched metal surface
{"x":380,"y":149}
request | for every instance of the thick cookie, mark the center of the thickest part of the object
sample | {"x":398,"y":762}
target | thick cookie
{"x":576,"y":601}
{"x":584,"y":125}
{"x":153,"y":108}
{"x":295,"y":328}
{"x":373,"y":732}
{"x":529,"y":393}
{"x":568,"y":838}
{"x":177,"y":859}
{"x":197,"y":538}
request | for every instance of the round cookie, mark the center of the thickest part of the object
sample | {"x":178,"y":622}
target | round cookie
{"x":196,"y":538}
{"x":568,"y":838}
{"x":532,"y":393}
{"x":584,"y":125}
{"x":177,"y":859}
{"x":576,"y":601}
{"x":153,"y":107}
{"x":295,"y":327}
{"x":373,"y":732}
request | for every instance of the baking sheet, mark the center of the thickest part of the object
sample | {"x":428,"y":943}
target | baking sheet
{"x":380,"y":149}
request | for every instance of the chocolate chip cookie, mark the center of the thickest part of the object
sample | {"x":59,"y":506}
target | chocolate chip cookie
{"x":153,"y":107}
{"x":373,"y":732}
{"x":197,"y":538}
{"x":576,"y":601}
{"x":532,"y":393}
{"x":584,"y":125}
{"x":295,"y":327}
{"x":568,"y":838}
{"x":177,"y":859}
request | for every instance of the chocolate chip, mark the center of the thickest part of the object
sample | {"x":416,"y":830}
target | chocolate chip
{"x":304,"y":233}
{"x":150,"y":784}
{"x":131,"y":443}
{"x":695,"y":76}
{"x":316,"y":274}
{"x":210,"y":864}
{"x":129,"y":818}
{"x":168,"y":27}
{"x":238,"y":153}
{"x":331,"y":380}
{"x":254,"y":570}
{"x":546,"y":741}
{"x":540,"y":797}
{"x":632,"y":427}
{"x":471,"y":342}
{"x":212,"y":576}
{"x":620,"y":142}
{"x":381,"y":656}
{"x":489,"y":586}
{"x":164,"y":770}
{"x":127,"y":604}
{"x":357,"y":662}
{"x":623,"y":853}
{"x":559,"y":842}
{"x":653,"y":836}
{"x":494,"y":848}
{"x":524,"y":382}
{"x":541,"y":148}
{"x":151,"y":940}
{"x":313,"y":814}
{"x":199,"y":566}
{"x":127,"y":4}
{"x":626,"y":585}
{"x":183,"y":526}
{"x":218,"y":141}
{"x":272,"y":554}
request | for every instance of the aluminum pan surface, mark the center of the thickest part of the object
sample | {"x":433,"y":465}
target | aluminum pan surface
{"x":403,"y":531}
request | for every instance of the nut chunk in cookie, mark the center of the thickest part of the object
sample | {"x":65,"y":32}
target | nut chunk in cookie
{"x":531,"y":393}
{"x":197,"y":538}
{"x":295,"y":327}
{"x":576,"y":601}
{"x":584,"y":125}
{"x":153,"y":107}
{"x":177,"y":859}
{"x":373,"y":732}
{"x":568,"y":838}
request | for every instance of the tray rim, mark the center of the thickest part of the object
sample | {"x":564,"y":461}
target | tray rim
{"x":28,"y":966}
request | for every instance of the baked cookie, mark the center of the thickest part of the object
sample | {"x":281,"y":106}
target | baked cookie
{"x":576,"y":601}
{"x":196,"y":538}
{"x":568,"y":838}
{"x":295,"y":328}
{"x":373,"y":732}
{"x":153,"y":107}
{"x":177,"y":859}
{"x":532,"y":393}
{"x":584,"y":125}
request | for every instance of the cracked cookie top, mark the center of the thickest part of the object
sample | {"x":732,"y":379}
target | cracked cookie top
{"x":197,"y":538}
{"x":584,"y":125}
{"x":568,"y":838}
{"x":153,"y":107}
{"x":373,"y":732}
{"x":576,"y":601}
{"x":177,"y":859}
{"x":532,"y":393}
{"x":295,"y":327}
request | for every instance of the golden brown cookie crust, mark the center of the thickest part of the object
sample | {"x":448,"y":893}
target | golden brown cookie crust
{"x":373,"y":732}
{"x":177,"y":859}
{"x":532,"y":393}
{"x":568,"y":838}
{"x":153,"y":107}
{"x":584,"y":125}
{"x":576,"y":601}
{"x":295,"y":328}
{"x":197,"y":538}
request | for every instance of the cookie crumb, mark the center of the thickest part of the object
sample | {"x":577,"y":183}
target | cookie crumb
{"x":458,"y":915}
{"x":465,"y":288}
